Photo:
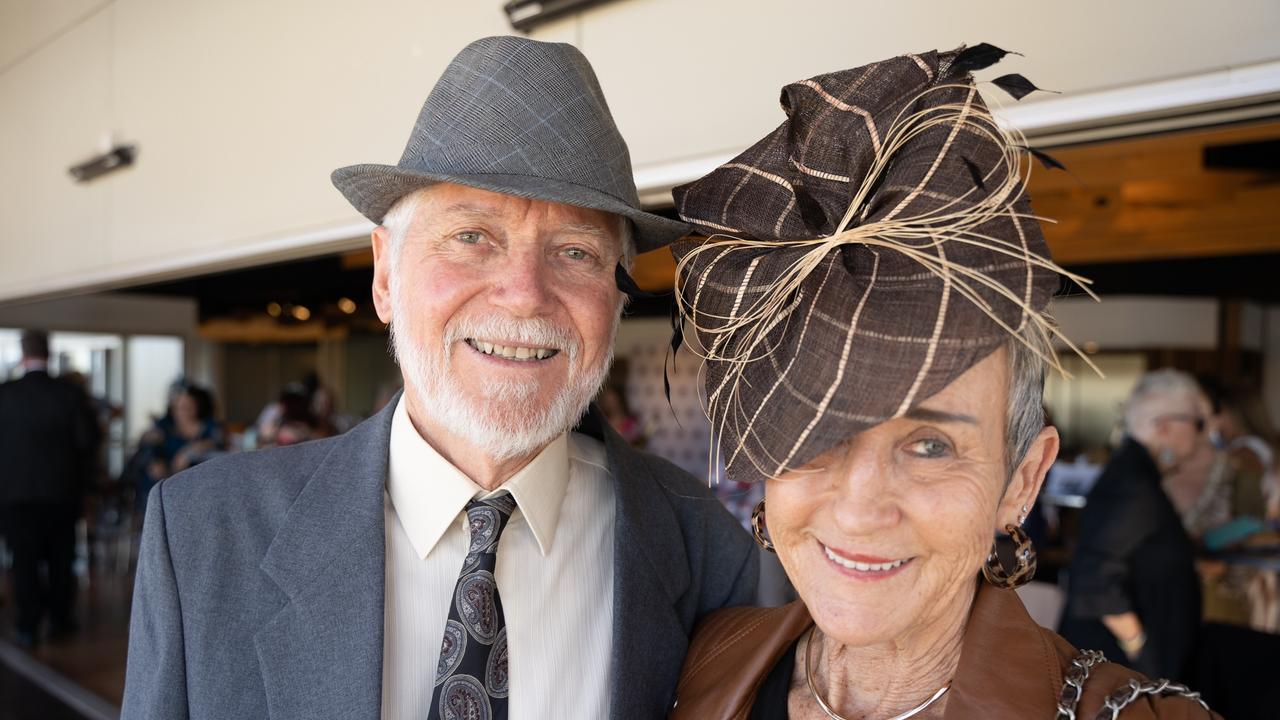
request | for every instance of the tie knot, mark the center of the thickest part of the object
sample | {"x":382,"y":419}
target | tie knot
{"x":486,"y":518}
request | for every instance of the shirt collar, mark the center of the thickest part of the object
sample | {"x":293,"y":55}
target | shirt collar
{"x":428,"y":492}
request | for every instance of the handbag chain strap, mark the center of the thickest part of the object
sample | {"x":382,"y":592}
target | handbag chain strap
{"x":1078,"y":674}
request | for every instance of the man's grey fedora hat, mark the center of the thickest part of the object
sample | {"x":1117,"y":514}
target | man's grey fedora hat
{"x":519,"y":117}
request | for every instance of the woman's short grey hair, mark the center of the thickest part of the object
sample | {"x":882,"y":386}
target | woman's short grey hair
{"x":399,"y":220}
{"x":1025,"y":415}
{"x":1154,"y":393}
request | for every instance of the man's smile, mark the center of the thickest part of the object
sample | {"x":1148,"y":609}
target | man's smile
{"x":511,"y":352}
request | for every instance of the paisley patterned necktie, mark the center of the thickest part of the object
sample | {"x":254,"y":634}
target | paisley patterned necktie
{"x":471,"y":678}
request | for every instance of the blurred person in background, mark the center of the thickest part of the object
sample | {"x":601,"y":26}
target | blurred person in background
{"x":1273,"y":496}
{"x":103,"y":412}
{"x":271,"y":417}
{"x":1231,"y":474}
{"x":289,"y":419}
{"x":48,"y":448}
{"x":187,"y":435}
{"x":1200,"y":485}
{"x":1249,"y":438}
{"x":1133,"y":592}
{"x":1239,"y":496}
{"x":305,"y":410}
{"x":613,"y":403}
{"x":329,"y":421}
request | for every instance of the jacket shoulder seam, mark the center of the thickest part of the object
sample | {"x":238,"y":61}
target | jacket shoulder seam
{"x":719,"y":647}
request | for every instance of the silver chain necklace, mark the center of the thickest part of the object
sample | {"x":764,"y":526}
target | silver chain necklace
{"x":817,"y":696}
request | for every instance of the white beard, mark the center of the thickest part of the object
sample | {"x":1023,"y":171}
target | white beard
{"x":502,"y":422}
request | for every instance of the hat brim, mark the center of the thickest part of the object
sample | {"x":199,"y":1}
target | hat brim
{"x":373,"y":189}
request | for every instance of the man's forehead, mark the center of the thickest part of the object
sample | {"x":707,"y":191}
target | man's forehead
{"x":452,"y":200}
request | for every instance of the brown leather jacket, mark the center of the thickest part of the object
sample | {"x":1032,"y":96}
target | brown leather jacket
{"x":1010,"y":667}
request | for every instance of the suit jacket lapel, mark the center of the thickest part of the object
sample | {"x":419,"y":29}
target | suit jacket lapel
{"x":650,"y":575}
{"x":321,"y":655}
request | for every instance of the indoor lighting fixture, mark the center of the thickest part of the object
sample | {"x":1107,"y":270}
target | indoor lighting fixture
{"x":301,"y":313}
{"x":347,"y":305}
{"x":121,"y":156}
{"x":528,"y":14}
{"x":274,"y":309}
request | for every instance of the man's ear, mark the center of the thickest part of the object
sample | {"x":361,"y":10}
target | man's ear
{"x":381,"y":240}
{"x":1027,"y":478}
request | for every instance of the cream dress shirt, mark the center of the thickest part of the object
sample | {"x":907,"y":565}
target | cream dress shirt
{"x":554,"y":574}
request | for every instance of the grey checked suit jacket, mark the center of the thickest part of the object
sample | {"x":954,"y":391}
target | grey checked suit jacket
{"x":259,"y":591}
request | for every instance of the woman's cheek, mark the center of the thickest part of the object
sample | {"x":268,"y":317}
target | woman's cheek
{"x":953,"y":513}
{"x":788,"y":505}
{"x":781,"y":520}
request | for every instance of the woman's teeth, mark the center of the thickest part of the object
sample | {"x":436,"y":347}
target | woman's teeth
{"x":862,"y":567}
{"x":511,"y":352}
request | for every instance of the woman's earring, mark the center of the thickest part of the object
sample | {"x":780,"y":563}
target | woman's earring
{"x":1024,"y":555}
{"x":758,"y":528}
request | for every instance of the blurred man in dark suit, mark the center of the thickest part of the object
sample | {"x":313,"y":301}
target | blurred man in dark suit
{"x":48,"y":442}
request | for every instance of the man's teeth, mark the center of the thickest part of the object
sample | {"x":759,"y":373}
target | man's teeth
{"x":862,"y":567}
{"x":512,"y":352}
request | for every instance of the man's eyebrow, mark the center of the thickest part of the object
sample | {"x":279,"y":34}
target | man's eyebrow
{"x":480,"y":211}
{"x":939,"y":416}
{"x":468,"y":209}
{"x":585,"y":229}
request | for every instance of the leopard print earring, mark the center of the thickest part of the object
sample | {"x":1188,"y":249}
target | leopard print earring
{"x":758,"y":529}
{"x":1024,"y":554}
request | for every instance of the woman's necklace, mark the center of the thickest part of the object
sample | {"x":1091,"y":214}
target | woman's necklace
{"x":813,"y":688}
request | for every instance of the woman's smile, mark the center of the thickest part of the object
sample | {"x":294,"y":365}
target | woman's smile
{"x":864,"y":567}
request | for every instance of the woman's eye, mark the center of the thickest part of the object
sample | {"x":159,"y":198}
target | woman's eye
{"x":929,"y":448}
{"x":469,"y":238}
{"x":577,"y":254}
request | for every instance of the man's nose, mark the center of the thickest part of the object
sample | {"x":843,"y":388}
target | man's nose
{"x":523,"y":284}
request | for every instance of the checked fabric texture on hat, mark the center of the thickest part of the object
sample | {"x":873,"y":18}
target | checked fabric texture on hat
{"x":520,"y":117}
{"x":869,"y":332}
{"x":471,"y":680}
{"x":544,"y":110}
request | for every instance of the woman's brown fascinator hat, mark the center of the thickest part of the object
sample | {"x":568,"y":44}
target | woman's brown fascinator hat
{"x":860,"y":257}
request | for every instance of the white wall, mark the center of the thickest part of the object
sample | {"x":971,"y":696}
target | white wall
{"x":242,"y":108}
{"x":27,"y":25}
{"x":1134,"y":323}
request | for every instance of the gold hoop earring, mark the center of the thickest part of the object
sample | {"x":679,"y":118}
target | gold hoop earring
{"x":758,"y":528}
{"x":1024,"y":555}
